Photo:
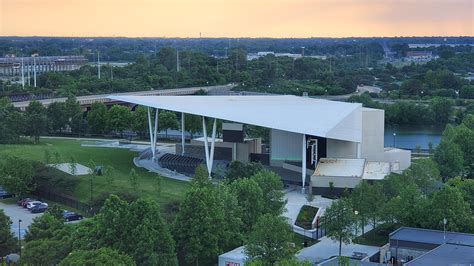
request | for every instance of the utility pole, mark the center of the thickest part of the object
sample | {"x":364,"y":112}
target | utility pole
{"x":98,"y":64}
{"x":22,"y":73}
{"x":178,"y":67}
{"x":34,"y":71}
{"x":29,"y":73}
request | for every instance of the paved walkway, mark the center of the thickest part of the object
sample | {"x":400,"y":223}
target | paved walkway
{"x":327,"y":248}
{"x":295,"y":200}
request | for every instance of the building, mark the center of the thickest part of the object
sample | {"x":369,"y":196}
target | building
{"x":419,"y":56}
{"x":305,"y":133}
{"x":254,"y":56}
{"x":417,"y":246}
{"x":15,"y":66}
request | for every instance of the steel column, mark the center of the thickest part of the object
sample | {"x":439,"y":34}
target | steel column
{"x":182,"y":133}
{"x":303,"y":163}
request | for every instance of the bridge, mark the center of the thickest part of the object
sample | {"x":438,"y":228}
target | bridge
{"x":87,"y":101}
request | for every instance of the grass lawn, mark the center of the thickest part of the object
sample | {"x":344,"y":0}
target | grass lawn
{"x":376,"y":237}
{"x":300,"y":239}
{"x":120,"y":159}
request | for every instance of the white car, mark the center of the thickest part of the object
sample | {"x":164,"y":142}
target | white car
{"x":31,"y":204}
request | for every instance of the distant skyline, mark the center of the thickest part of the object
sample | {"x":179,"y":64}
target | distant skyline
{"x":236,"y":18}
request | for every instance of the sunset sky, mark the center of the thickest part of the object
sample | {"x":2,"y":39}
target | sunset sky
{"x":236,"y":18}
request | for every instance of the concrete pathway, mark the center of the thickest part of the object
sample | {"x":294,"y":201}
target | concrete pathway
{"x":295,"y":200}
{"x":327,"y":248}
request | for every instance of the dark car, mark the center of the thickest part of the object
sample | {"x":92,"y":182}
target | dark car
{"x":4,"y":194}
{"x":39,"y":208}
{"x":24,"y":202}
{"x":71,"y":216}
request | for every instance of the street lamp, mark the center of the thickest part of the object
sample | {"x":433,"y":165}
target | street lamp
{"x":445,"y":221}
{"x":19,"y":236}
{"x":356,"y":212}
{"x":394,"y":135}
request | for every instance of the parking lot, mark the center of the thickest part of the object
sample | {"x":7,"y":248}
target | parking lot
{"x":17,"y":213}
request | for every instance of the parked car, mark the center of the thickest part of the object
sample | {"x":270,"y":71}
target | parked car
{"x":42,"y":207}
{"x":4,"y":194}
{"x":31,"y":204}
{"x":25,"y":201}
{"x":71,"y":216}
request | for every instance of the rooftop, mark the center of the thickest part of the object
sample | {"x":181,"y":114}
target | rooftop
{"x":323,"y":118}
{"x":429,"y":236}
{"x":340,"y":167}
{"x":446,"y":254}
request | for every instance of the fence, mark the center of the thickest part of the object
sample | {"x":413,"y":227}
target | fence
{"x":65,"y":200}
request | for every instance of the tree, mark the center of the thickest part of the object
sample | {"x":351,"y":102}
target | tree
{"x":47,"y":235}
{"x":52,"y":252}
{"x":269,"y":240}
{"x":339,"y":222}
{"x":36,"y":120}
{"x":16,"y":175}
{"x":57,"y":115}
{"x":449,"y":158}
{"x":369,"y":201}
{"x":139,"y":226}
{"x":464,"y":138}
{"x":425,"y":174}
{"x":97,"y":117}
{"x":119,"y":118}
{"x":272,"y":188}
{"x":167,"y":120}
{"x":466,"y":186}
{"x":109,"y":174}
{"x":47,"y":156}
{"x":72,"y":109}
{"x":202,"y":227}
{"x":449,"y":203}
{"x":7,"y":240}
{"x":238,"y":169}
{"x":408,"y":208}
{"x":140,"y":120}
{"x":102,"y":256}
{"x":133,"y":178}
{"x":442,"y":109}
{"x":11,"y":122}
{"x":73,"y":166}
{"x":44,"y":227}
{"x":193,"y":124}
{"x":250,"y":199}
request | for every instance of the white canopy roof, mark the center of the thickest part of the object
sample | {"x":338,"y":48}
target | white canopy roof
{"x":330,"y":119}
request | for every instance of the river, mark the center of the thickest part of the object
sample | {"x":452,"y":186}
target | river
{"x":408,"y":137}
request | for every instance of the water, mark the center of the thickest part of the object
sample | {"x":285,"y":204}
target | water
{"x":408,"y":137}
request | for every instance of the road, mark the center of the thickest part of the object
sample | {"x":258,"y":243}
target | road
{"x":89,"y":99}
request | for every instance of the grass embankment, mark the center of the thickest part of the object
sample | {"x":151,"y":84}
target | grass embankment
{"x":120,"y":159}
{"x":376,"y":237}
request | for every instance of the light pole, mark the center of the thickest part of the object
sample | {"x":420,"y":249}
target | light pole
{"x":356,"y":212}
{"x":394,"y":135}
{"x":445,"y":221}
{"x":19,"y":237}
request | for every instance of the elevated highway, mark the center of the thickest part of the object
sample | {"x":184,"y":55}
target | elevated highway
{"x":86,"y":101}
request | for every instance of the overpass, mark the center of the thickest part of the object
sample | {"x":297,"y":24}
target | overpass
{"x":86,"y":101}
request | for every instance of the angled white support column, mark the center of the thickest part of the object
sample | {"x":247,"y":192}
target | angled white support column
{"x":206,"y":146}
{"x":151,"y":132}
{"x":182,"y":133}
{"x":303,"y":164}
{"x":213,"y":143}
{"x":156,"y":132}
